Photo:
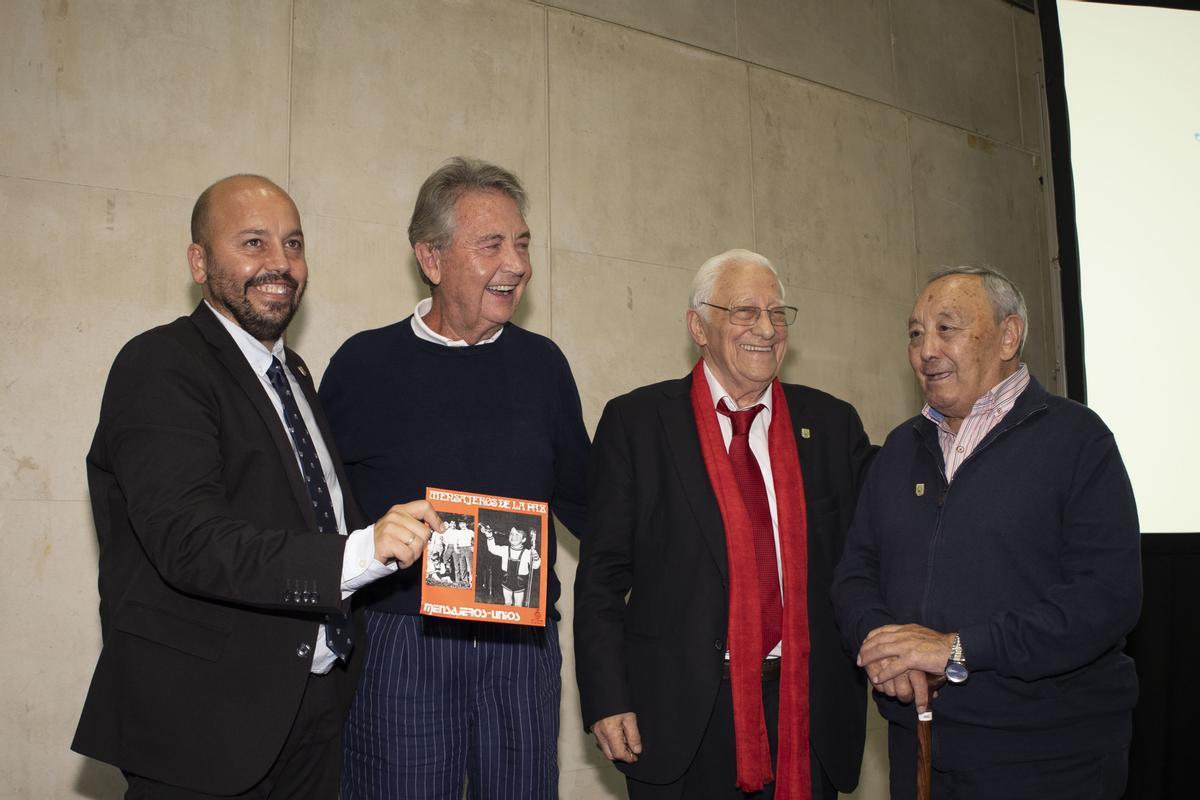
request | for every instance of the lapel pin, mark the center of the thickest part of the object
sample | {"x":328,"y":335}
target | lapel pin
{"x":920,"y":490}
{"x":805,"y":433}
{"x":300,"y":368}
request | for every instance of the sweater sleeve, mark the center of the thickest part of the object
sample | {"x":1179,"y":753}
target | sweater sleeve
{"x":338,"y":399}
{"x":571,"y":448}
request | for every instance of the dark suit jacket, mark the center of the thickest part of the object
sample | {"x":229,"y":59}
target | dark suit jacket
{"x":655,"y":532}
{"x":212,"y":575}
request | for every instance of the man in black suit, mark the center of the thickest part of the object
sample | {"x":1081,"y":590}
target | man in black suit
{"x":704,"y":633}
{"x":225,"y":565}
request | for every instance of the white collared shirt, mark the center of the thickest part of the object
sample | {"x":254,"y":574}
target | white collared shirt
{"x":760,"y":449}
{"x":986,"y":413}
{"x":359,"y":566}
{"x":427,"y":333}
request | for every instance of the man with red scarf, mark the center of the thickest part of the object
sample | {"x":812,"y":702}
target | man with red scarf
{"x":708,"y":661}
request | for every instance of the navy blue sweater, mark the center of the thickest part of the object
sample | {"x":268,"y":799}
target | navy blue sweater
{"x":500,"y":418}
{"x":1031,"y":554}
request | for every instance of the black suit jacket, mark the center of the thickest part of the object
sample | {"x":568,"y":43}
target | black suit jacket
{"x":655,"y":531}
{"x":212,"y":575}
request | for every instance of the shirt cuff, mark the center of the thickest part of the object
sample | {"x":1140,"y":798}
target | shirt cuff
{"x":359,"y":567}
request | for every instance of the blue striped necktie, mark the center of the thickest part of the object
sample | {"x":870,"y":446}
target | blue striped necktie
{"x":337,"y":626}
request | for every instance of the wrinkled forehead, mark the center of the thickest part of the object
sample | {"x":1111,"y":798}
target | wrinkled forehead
{"x":487,"y":207}
{"x":743,"y":282}
{"x":960,"y":295}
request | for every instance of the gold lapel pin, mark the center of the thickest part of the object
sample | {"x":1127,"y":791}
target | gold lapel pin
{"x":920,"y":490}
{"x":300,"y":368}
{"x":805,"y":433}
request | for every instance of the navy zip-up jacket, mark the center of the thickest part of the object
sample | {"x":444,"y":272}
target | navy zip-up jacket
{"x":1032,"y":555}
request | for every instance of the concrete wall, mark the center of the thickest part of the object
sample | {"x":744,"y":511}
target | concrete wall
{"x":858,"y":144}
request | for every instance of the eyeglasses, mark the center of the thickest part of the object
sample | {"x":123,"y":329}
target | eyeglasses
{"x":780,"y":316}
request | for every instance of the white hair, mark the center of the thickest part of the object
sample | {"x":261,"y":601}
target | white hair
{"x":710,"y":271}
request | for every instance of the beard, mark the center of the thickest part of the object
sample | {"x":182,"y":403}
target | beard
{"x":266,"y":321}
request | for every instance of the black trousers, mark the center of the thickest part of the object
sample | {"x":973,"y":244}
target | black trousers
{"x":1090,"y":776}
{"x":307,"y":768}
{"x":712,"y":774}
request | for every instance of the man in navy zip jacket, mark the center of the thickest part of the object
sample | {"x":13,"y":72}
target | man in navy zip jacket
{"x":995,"y":554}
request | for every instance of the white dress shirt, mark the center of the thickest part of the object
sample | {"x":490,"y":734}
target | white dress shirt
{"x":986,"y":413}
{"x":761,"y":451}
{"x":427,"y":333}
{"x":359,"y":566}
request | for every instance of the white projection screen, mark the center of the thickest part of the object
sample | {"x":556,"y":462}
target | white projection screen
{"x":1132,"y":77}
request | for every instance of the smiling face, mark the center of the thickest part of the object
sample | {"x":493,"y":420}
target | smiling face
{"x":479,"y":277}
{"x":744,"y":358}
{"x":957,"y":348}
{"x":251,"y":261}
{"x":516,"y":537}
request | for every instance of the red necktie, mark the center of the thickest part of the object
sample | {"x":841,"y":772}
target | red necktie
{"x":754,"y":497}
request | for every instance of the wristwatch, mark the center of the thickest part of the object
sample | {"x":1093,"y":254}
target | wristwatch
{"x":956,"y":667}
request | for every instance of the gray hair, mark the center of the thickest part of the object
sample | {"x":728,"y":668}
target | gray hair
{"x":433,"y":216}
{"x":1003,"y":294}
{"x":710,"y":271}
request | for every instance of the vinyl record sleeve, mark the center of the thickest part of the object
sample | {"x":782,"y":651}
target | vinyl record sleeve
{"x":488,"y":562}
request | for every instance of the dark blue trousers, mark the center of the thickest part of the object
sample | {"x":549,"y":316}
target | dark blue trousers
{"x":442,"y":699}
{"x":1090,"y":776}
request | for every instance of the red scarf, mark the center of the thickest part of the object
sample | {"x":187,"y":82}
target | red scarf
{"x":745,"y":629}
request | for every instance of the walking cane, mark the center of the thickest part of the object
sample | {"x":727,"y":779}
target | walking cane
{"x":924,"y":755}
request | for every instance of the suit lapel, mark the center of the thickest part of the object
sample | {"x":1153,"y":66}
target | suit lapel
{"x":802,"y":429}
{"x":227,"y":352}
{"x":683,"y":442}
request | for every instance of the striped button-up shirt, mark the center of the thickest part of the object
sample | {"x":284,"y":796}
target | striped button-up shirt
{"x":985,"y":415}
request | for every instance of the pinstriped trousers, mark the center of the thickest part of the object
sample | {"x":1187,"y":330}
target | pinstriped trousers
{"x":442,"y":699}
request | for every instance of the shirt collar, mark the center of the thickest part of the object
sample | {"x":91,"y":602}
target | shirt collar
{"x":718,"y":394}
{"x":427,"y":333}
{"x":258,"y":356}
{"x":1003,"y":393}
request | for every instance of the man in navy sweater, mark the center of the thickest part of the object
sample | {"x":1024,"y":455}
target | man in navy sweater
{"x":995,"y":546}
{"x":456,"y":396}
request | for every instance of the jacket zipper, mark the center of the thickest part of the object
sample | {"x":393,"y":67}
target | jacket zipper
{"x":941,"y":502}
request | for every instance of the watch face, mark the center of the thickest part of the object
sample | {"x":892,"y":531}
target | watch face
{"x":956,"y":672}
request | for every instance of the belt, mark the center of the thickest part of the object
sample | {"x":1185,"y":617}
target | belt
{"x":770,"y":669}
